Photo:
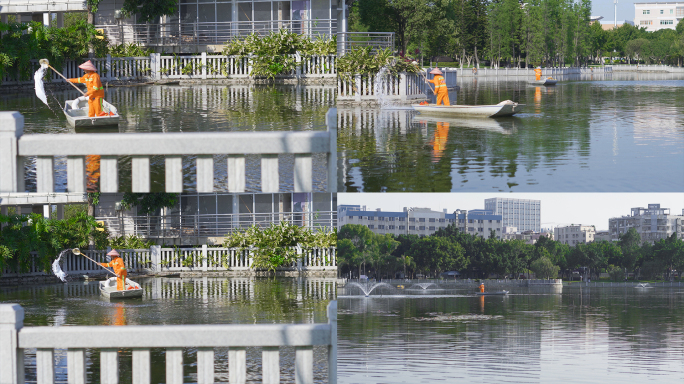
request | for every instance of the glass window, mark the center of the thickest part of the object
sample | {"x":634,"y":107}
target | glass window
{"x":224,"y":12}
{"x":262,"y":11}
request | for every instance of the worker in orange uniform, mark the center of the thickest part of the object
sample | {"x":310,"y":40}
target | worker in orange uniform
{"x":440,"y":87}
{"x":95,"y":90}
{"x":537,"y":73}
{"x":482,"y":287}
{"x":117,"y":264}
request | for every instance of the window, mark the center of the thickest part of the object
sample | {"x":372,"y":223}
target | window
{"x":391,"y":227}
{"x":432,"y":228}
{"x":412,"y":227}
{"x":671,"y":11}
{"x":422,"y":219}
{"x":402,"y":227}
{"x":471,"y":229}
{"x":431,"y":220}
{"x":381,"y":227}
{"x":371,"y":226}
{"x":391,"y":219}
{"x":413,"y":219}
{"x":402,"y":219}
{"x":647,"y":12}
{"x":422,"y":228}
{"x":481,"y":229}
{"x":661,"y":11}
{"x":666,"y":22}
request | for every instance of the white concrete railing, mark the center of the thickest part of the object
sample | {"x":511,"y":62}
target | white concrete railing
{"x":361,"y":88}
{"x":14,"y":147}
{"x":200,"y":259}
{"x":14,"y":338}
{"x":645,"y":68}
{"x":157,"y":67}
{"x":468,"y":72}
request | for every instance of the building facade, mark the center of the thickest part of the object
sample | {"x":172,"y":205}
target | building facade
{"x":658,"y":15}
{"x":653,"y":223}
{"x":575,"y":234}
{"x":523,"y":214}
{"x":420,"y":221}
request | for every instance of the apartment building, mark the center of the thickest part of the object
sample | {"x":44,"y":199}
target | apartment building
{"x":575,"y":234}
{"x":653,"y":223}
{"x":420,"y":221}
{"x":658,"y":15}
{"x":523,"y":214}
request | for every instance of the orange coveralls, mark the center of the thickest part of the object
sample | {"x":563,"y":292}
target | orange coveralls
{"x":118,"y":265}
{"x":537,"y":73}
{"x":441,"y":90}
{"x":482,"y":288}
{"x":95,"y":92}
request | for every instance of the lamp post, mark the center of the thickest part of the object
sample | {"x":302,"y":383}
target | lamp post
{"x":615,"y":2}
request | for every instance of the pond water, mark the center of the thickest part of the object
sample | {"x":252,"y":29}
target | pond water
{"x":196,"y":108}
{"x":533,"y":335}
{"x":623,"y":132}
{"x":180,"y":301}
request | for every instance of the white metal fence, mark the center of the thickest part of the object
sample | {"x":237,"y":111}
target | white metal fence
{"x":201,"y":259}
{"x":15,"y":338}
{"x":346,"y":41}
{"x":469,"y":72}
{"x":403,"y":87}
{"x":158,"y":67}
{"x":211,"y":33}
{"x":14,"y":147}
{"x":645,"y":68}
{"x":211,"y":225}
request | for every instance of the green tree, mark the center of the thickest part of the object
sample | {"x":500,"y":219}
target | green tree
{"x":543,"y":268}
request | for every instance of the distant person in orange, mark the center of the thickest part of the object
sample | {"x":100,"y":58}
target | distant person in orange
{"x":537,"y":73}
{"x":482,"y":287}
{"x":440,"y":87}
{"x":94,"y":86}
{"x":440,"y":140}
{"x":117,"y":264}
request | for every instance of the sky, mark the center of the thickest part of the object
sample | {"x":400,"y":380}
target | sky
{"x":557,"y":209}
{"x":625,"y":9}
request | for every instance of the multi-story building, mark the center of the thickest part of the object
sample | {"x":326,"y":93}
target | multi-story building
{"x":602,"y":236}
{"x":420,"y":221}
{"x":528,"y":237}
{"x":575,"y":234}
{"x":658,"y":15}
{"x":520,"y":213}
{"x":653,"y":223}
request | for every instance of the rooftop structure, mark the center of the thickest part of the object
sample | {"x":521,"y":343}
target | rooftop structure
{"x":575,"y":234}
{"x":652,"y":223}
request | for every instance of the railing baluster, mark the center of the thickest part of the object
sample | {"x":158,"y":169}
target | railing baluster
{"x":109,"y":366}
{"x":269,"y":174}
{"x":303,"y":173}
{"x":205,"y":365}
{"x":174,"y":366}
{"x":237,"y":365}
{"x":174,"y":174}
{"x":304,"y":365}
{"x":140,"y":174}
{"x":236,"y":173}
{"x":109,"y":174}
{"x":270,"y":362}
{"x":76,"y":180}
{"x":45,"y":365}
{"x":205,"y":173}
{"x":76,"y":371}
{"x":45,"y":181}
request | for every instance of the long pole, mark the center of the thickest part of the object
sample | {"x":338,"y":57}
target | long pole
{"x":615,"y":2}
{"x":98,"y":264}
{"x":67,"y":80}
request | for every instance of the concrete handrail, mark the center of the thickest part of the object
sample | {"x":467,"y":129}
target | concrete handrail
{"x":14,"y":146}
{"x":14,"y":338}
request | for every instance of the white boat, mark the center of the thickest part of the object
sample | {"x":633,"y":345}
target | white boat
{"x":78,"y":117}
{"x":505,"y":108}
{"x":547,"y":81}
{"x":501,"y":293}
{"x":108,"y":289}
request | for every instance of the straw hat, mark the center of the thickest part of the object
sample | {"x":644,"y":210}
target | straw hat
{"x":88,"y":66}
{"x":113,"y":253}
{"x":436,"y":71}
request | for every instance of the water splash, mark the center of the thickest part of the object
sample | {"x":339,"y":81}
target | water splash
{"x":381,"y":87}
{"x":366,"y":289}
{"x":57,"y":270}
{"x":424,"y":286}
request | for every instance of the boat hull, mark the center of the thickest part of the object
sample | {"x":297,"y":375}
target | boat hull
{"x":502,"y":293}
{"x":544,"y":82}
{"x":499,"y":110}
{"x":78,"y":117}
{"x":108,"y":289}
